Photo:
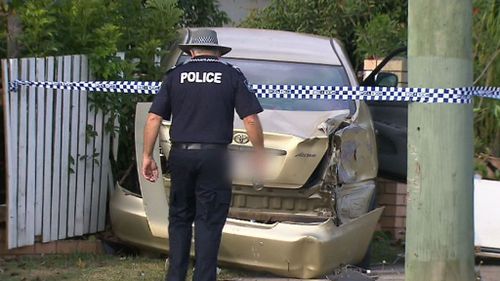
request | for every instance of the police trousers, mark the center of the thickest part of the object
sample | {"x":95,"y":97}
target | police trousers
{"x":200,"y":193}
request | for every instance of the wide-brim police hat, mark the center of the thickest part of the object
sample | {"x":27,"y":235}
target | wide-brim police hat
{"x":204,"y":38}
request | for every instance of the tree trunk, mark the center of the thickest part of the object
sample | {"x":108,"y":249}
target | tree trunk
{"x":14,"y":29}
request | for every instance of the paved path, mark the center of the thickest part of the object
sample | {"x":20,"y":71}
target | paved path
{"x":396,"y":273}
{"x":490,"y":272}
{"x":391,"y":273}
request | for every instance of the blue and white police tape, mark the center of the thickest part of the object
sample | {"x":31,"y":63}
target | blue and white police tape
{"x":126,"y":87}
{"x":453,"y":95}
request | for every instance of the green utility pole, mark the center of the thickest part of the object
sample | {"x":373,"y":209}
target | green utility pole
{"x":440,"y":231}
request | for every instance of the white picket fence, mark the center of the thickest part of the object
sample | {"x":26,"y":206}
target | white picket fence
{"x":56,"y":189}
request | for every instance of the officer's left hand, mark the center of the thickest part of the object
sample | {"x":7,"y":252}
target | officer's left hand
{"x":149,"y":169}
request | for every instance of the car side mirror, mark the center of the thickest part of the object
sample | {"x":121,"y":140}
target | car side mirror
{"x":386,"y":79}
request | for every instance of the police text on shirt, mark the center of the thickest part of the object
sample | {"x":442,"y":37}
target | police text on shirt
{"x":201,"y":77}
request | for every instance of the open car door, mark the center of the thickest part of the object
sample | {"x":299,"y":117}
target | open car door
{"x":153,"y":193}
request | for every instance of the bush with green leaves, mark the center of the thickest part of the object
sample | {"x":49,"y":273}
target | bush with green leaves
{"x":202,"y":13}
{"x":366,"y":27}
{"x":486,"y":34}
{"x":141,"y":29}
{"x":101,"y":28}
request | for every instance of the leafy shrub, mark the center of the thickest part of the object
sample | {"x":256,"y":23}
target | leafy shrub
{"x":366,"y":27}
{"x":141,"y":29}
{"x":379,"y":36}
{"x":486,"y":34}
{"x":202,"y":13}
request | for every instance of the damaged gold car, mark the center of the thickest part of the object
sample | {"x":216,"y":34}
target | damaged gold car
{"x":316,"y":209}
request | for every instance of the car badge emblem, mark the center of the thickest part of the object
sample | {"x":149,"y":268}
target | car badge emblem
{"x":241,"y":138}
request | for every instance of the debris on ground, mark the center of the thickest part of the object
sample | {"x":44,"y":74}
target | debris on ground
{"x":350,"y":273}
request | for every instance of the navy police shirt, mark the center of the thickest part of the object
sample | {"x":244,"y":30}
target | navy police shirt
{"x":201,"y":96}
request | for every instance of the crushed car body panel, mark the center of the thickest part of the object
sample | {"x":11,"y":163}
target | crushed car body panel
{"x":358,"y":151}
{"x":295,"y":143}
{"x":300,"y":250}
{"x":295,"y":249}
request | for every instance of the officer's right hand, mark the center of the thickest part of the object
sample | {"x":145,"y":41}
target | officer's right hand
{"x":149,"y":169}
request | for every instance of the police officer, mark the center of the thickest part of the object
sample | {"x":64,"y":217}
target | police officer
{"x":200,"y":96}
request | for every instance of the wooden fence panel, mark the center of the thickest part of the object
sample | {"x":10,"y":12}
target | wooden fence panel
{"x":40,"y":134}
{"x":96,"y":182}
{"x":73,"y":167}
{"x":9,"y":68}
{"x":104,"y":177}
{"x":56,"y":175}
{"x":81,"y":155}
{"x":23,"y":137}
{"x":56,"y":188}
{"x":65,"y":132}
{"x":89,"y":171}
{"x":48,"y":155}
{"x":31,"y":156}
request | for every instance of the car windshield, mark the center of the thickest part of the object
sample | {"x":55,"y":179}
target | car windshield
{"x":292,"y":73}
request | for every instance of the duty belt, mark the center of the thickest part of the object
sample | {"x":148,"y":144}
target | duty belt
{"x":198,"y":146}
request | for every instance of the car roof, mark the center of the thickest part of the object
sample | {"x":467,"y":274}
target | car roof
{"x":277,"y":45}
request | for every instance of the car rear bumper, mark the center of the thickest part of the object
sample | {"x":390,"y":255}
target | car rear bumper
{"x":300,"y":250}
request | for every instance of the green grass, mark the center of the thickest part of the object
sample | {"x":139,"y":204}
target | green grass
{"x":385,"y":250}
{"x":83,"y":267}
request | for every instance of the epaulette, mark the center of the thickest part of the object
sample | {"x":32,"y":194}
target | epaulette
{"x":233,"y":66}
{"x":170,"y":70}
{"x":175,"y":66}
